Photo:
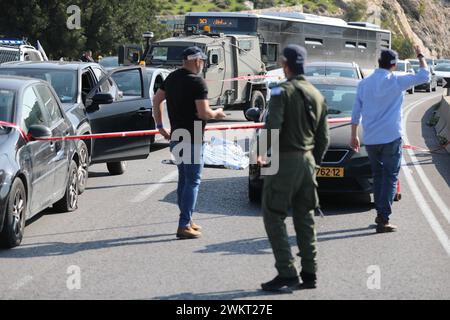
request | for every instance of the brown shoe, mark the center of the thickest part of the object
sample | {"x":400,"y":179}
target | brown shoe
{"x":196,"y":227}
{"x":187,"y":233}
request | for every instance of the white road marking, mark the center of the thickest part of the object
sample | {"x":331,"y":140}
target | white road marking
{"x":418,"y":196}
{"x":429,"y":186}
{"x":21,"y":282}
{"x":144,"y":194}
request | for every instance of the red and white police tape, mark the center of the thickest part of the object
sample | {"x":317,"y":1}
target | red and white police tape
{"x":141,"y":133}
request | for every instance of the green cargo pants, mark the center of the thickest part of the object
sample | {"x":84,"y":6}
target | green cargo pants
{"x":294,"y":186}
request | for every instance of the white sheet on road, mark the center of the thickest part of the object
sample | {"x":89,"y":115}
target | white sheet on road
{"x":225,"y":153}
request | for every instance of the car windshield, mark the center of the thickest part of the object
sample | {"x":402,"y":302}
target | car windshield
{"x":414,"y":62}
{"x":313,"y":71}
{"x":339,"y":99}
{"x":6,"y":106}
{"x":443,"y":67}
{"x":162,"y":54}
{"x":63,"y":81}
{"x":401,"y":66}
{"x":109,"y":62}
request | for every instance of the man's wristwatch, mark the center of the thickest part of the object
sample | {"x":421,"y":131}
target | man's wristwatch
{"x":420,"y":56}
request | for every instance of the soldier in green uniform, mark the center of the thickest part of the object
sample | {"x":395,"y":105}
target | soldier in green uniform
{"x":299,"y":111}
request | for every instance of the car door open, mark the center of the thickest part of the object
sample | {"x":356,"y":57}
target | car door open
{"x":120,"y":102}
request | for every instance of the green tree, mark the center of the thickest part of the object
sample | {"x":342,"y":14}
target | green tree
{"x":403,"y":46}
{"x":105,"y":24}
{"x":356,"y":10}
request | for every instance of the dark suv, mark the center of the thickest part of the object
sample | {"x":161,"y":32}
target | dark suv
{"x":94,"y":104}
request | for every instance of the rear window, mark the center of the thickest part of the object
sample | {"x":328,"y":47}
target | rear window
{"x":339,"y":99}
{"x":6,"y":105}
{"x":344,"y":72}
{"x":63,"y":81}
{"x":443,"y":68}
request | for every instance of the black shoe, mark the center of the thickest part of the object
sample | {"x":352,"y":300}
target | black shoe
{"x":379,"y":219}
{"x":386,"y":227}
{"x":278,"y":283}
{"x":309,"y":280}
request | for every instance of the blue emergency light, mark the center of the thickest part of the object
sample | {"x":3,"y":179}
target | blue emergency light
{"x":13,"y":42}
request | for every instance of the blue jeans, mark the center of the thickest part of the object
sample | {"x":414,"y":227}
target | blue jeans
{"x":385,"y":160}
{"x":189,"y":178}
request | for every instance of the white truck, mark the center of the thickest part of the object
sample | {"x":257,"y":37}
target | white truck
{"x":18,"y":50}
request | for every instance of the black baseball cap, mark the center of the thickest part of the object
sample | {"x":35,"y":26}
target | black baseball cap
{"x":388,"y":57}
{"x":295,"y":57}
{"x":193,"y":53}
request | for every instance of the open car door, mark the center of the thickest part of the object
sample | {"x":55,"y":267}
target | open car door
{"x":120,"y":102}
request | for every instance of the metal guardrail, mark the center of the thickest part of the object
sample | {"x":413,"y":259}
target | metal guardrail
{"x":446,"y":84}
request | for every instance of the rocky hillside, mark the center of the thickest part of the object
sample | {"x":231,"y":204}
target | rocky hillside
{"x":425,"y":22}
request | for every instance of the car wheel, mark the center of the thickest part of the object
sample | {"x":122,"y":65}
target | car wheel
{"x":411,"y":91}
{"x":83,"y":167}
{"x":254,"y":194}
{"x":435,"y":88}
{"x":258,"y":101}
{"x":70,"y":200}
{"x":429,"y":88}
{"x":15,"y":215}
{"x":116,"y":168}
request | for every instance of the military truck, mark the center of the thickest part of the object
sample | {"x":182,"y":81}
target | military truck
{"x":234,"y":71}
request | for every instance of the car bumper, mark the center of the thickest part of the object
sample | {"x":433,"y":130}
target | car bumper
{"x":422,"y":86}
{"x":357,"y":179}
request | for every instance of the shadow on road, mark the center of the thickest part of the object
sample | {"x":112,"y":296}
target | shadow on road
{"x":222,"y":295}
{"x":257,"y":246}
{"x":225,"y":196}
{"x":228,"y":196}
{"x":49,"y":249}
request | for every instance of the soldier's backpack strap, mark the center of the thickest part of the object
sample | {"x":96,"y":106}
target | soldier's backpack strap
{"x":307,"y":102}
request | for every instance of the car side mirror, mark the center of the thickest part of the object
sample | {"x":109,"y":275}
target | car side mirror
{"x":253,"y":114}
{"x":39,"y":131}
{"x":102,"y":98}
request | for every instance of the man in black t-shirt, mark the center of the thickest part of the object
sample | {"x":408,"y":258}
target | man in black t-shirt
{"x":186,"y":94}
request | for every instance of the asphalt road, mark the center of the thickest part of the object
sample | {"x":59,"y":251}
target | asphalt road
{"x":121,"y":240}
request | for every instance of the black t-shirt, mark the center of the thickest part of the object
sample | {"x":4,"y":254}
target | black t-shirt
{"x":182,"y":88}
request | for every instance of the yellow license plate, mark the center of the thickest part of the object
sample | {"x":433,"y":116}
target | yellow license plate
{"x":330,"y":172}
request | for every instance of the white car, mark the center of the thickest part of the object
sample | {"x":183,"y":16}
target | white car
{"x":405,"y":67}
{"x":18,"y":50}
{"x":442,"y":71}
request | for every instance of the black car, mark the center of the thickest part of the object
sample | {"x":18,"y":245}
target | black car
{"x":33,"y":174}
{"x":94,"y":103}
{"x":427,"y":86}
{"x":342,"y":170}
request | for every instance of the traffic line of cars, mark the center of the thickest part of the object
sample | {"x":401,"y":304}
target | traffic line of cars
{"x":52,"y":98}
{"x":343,"y":171}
